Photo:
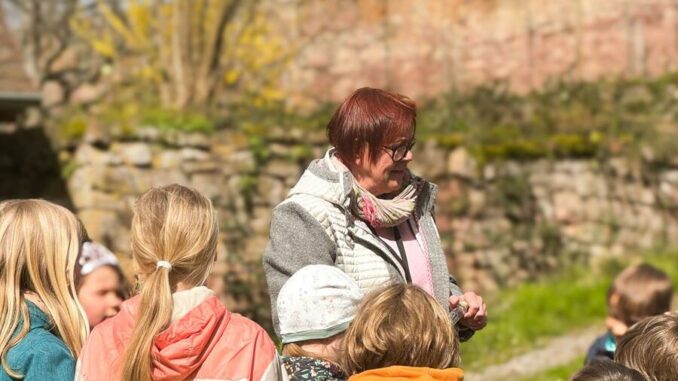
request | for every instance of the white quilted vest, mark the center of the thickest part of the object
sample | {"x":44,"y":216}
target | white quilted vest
{"x":360,"y":254}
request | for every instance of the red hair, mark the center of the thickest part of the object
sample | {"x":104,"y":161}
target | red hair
{"x":373,"y":117}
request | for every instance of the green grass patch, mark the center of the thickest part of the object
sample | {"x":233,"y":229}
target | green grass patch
{"x":559,"y":373}
{"x":525,"y":317}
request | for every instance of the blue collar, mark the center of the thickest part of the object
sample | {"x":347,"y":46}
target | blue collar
{"x":610,"y":343}
{"x":38,"y":318}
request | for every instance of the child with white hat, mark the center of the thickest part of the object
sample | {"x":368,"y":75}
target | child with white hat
{"x":315,"y":307}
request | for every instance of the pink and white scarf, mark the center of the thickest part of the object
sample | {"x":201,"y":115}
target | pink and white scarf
{"x":380,"y":212}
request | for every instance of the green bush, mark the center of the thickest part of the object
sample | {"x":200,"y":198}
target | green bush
{"x":186,"y":121}
{"x":564,"y":119}
{"x":73,"y":126}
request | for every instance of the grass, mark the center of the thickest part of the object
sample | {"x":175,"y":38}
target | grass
{"x":525,"y":317}
{"x":559,"y":373}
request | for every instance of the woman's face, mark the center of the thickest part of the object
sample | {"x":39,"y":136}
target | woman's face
{"x":99,"y":294}
{"x":384,"y":175}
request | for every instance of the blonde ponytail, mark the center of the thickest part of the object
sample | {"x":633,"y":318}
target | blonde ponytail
{"x":39,"y":246}
{"x":156,"y":304}
{"x":174,"y":239}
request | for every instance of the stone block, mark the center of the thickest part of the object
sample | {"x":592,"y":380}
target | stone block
{"x":221,"y":151}
{"x":489,"y":172}
{"x":647,"y":218}
{"x":587,"y":233}
{"x":670,"y":177}
{"x":278,"y":150}
{"x":667,"y":194}
{"x":546,"y":208}
{"x":477,"y":201}
{"x":261,"y":221}
{"x":460,"y":163}
{"x":254,"y":247}
{"x":89,"y":155}
{"x":585,"y":184}
{"x":100,"y":224}
{"x":230,"y":138}
{"x":240,"y":162}
{"x":568,"y":207}
{"x":429,"y":161}
{"x":191,"y":167}
{"x":194,"y":154}
{"x":97,"y":199}
{"x":282,"y":169}
{"x":271,"y":189}
{"x":573,"y":167}
{"x":159,"y":178}
{"x":193,"y":139}
{"x":168,"y":159}
{"x":86,"y":93}
{"x":561,"y":181}
{"x":52,"y":94}
{"x":136,"y":154}
{"x":596,"y":209}
{"x":117,"y":179}
{"x":210,"y":185}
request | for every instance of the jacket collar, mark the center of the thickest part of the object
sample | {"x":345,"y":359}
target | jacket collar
{"x":325,"y":180}
{"x":307,"y":368}
{"x":410,"y":373}
{"x":38,"y":318}
{"x":186,"y":343}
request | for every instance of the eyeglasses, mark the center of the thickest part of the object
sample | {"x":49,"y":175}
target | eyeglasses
{"x":398,"y":152}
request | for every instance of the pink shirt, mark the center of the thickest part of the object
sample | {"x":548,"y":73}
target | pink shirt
{"x":416,"y":252}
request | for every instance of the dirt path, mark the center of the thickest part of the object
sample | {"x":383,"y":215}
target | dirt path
{"x":558,"y":351}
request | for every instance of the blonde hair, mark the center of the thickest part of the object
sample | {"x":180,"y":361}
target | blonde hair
{"x":651,"y":347}
{"x":295,"y":349}
{"x":639,"y":291}
{"x":39,"y":246}
{"x":400,"y":324}
{"x":178,"y":225}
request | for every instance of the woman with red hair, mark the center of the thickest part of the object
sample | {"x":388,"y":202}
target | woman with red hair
{"x":359,"y":208}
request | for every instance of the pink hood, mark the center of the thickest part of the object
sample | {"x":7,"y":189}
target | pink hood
{"x":205,"y":342}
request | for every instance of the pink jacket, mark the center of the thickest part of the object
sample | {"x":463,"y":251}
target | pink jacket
{"x":207,"y":343}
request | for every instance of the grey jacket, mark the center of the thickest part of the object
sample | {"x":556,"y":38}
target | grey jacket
{"x":314,"y":225}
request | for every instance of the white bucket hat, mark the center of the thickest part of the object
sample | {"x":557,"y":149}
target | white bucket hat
{"x":317,"y":302}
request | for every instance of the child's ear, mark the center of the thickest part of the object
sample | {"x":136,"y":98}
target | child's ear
{"x":616,"y":327}
{"x":614,"y":300}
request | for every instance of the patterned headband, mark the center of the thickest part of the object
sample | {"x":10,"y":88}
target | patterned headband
{"x":95,"y":255}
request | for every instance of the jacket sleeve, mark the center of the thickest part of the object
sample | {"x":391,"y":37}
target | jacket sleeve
{"x":296,"y":240}
{"x":266,"y":364}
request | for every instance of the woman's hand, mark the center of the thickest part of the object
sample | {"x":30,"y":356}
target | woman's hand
{"x":476,"y":315}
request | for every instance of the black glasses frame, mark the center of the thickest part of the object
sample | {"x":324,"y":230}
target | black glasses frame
{"x":399,"y":151}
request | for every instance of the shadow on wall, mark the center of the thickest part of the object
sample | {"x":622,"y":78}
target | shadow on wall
{"x":29,"y":168}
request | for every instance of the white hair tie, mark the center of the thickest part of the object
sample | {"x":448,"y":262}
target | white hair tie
{"x":164,"y":264}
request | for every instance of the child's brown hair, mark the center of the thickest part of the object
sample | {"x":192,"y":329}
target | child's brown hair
{"x":638,"y":292}
{"x":607,"y":370}
{"x":400,"y":325}
{"x":651,"y":347}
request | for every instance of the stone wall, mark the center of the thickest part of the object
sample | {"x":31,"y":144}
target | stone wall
{"x":501,"y":223}
{"x":425,"y":47}
{"x":508,"y":222}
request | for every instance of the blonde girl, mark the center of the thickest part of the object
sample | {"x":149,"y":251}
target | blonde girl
{"x":42,"y":326}
{"x":176,"y":328}
{"x":401,"y":332}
